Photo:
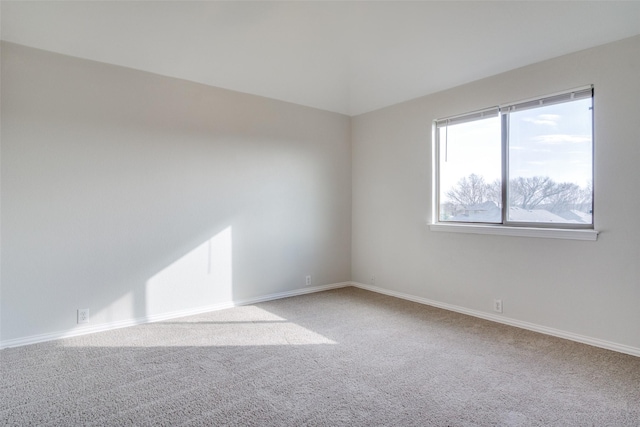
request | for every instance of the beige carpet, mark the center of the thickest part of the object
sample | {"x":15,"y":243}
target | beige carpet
{"x":336,"y":358}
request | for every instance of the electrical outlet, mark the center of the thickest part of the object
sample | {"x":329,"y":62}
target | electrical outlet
{"x":308,"y":280}
{"x":373,"y":279}
{"x":497,"y":305}
{"x":83,"y":315}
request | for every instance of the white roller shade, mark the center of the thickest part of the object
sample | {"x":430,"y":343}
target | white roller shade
{"x":469,"y":117}
{"x":582,"y":93}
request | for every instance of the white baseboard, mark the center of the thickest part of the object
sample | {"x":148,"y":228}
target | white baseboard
{"x":33,"y":339}
{"x":621,"y":348}
{"x":90,"y":329}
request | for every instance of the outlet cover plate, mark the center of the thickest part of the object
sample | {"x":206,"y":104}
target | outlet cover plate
{"x":497,"y":305}
{"x":83,"y":315}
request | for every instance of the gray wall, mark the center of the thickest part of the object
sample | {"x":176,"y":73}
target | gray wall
{"x":586,"y":288}
{"x":134,"y":195}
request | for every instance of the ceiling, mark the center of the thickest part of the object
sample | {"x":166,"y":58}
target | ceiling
{"x":346,"y":57}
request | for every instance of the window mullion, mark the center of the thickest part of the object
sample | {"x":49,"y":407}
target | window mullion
{"x":505,"y":164}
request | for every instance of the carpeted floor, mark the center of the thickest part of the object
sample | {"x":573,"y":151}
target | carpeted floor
{"x":335,"y":358}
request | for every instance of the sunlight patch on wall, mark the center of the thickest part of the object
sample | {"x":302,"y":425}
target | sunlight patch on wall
{"x":124,"y":304}
{"x":201,"y":277}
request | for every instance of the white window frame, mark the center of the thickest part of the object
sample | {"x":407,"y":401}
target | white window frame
{"x":511,"y":228}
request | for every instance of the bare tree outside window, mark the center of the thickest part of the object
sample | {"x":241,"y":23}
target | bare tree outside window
{"x":542,"y":194}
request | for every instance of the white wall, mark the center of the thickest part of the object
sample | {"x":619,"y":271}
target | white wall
{"x":134,"y":195}
{"x":586,"y":288}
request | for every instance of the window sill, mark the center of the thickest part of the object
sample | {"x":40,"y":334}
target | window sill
{"x":548,"y":233}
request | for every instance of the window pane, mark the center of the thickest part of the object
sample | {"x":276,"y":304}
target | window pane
{"x":551,"y":164}
{"x":470,"y":171}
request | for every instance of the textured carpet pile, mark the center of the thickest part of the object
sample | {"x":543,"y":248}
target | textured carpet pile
{"x":335,"y":358}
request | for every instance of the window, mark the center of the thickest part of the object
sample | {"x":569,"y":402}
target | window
{"x":524,"y":164}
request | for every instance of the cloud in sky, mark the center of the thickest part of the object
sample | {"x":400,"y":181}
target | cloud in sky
{"x":544,"y":119}
{"x":561,"y":139}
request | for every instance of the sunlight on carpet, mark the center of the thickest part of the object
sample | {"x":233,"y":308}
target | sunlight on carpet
{"x":241,"y":326}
